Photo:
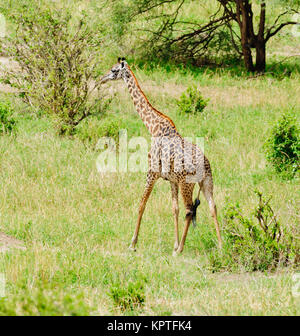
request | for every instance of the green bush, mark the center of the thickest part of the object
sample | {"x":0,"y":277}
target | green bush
{"x":283,"y":146}
{"x":191,"y":101}
{"x":254,"y":245}
{"x":7,"y":122}
{"x":128,"y":297}
{"x":57,"y":59}
{"x":93,"y":129}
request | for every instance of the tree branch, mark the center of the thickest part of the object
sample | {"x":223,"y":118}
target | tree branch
{"x":272,"y":33}
{"x":275,"y":28}
{"x":262,"y":20}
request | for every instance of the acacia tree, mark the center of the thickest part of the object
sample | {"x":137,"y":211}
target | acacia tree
{"x":241,"y":12}
{"x":234,"y":22}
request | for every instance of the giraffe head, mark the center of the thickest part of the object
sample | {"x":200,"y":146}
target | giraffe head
{"x":116,"y":72}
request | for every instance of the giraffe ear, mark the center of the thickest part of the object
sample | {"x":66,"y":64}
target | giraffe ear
{"x":122,"y":64}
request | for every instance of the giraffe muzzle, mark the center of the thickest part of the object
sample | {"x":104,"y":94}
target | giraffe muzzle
{"x":104,"y":79}
{"x":107,"y":77}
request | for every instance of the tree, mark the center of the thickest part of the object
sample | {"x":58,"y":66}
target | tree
{"x":56,"y":62}
{"x":241,"y":11}
{"x":232,"y":23}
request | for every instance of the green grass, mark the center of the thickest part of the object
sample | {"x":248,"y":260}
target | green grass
{"x":77,"y":224}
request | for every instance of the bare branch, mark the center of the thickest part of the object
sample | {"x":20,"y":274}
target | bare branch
{"x":275,"y":28}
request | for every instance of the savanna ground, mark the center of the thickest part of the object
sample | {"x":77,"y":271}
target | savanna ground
{"x":76,"y":224}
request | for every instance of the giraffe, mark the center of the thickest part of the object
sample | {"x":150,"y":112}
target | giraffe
{"x":171,"y":157}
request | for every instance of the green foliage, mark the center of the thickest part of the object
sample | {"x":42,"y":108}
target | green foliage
{"x":45,"y":300}
{"x":283,"y":146}
{"x":77,"y":225}
{"x":177,"y":31}
{"x":120,"y":16}
{"x":191,"y":101}
{"x":254,"y":246}
{"x":92,"y":129}
{"x":82,"y":222}
{"x":58,"y":59}
{"x":129,"y":296}
{"x":172,"y":31}
{"x":7,"y":122}
{"x":289,"y":2}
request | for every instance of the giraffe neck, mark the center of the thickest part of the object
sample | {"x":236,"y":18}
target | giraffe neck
{"x":155,"y":121}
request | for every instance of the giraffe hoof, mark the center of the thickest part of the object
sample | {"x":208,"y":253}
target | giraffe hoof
{"x":175,"y":254}
{"x":132,"y":248}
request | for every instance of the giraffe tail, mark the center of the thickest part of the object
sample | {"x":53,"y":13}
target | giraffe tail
{"x":195,"y":206}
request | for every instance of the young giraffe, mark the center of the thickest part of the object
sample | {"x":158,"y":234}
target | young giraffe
{"x":170,"y":157}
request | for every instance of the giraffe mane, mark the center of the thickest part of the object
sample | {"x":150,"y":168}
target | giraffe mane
{"x":142,"y":92}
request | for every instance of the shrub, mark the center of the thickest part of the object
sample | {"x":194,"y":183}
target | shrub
{"x":283,"y":146}
{"x":254,"y":245}
{"x":191,"y":101}
{"x":128,"y":297}
{"x":57,"y":60}
{"x":93,"y":129}
{"x":7,"y":122}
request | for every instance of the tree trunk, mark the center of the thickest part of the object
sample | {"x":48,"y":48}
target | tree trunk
{"x":244,"y":17}
{"x":260,"y":43}
{"x":247,"y":55}
{"x":260,"y":65}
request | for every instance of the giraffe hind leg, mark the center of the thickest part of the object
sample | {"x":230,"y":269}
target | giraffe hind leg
{"x":175,"y":208}
{"x":208,"y":193}
{"x":187,"y":195}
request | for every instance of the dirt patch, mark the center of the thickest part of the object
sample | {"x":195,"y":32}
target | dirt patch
{"x":7,"y":64}
{"x":172,"y":89}
{"x":288,"y":51}
{"x":246,"y":277}
{"x":7,"y":242}
{"x":7,"y":89}
{"x":230,"y":96}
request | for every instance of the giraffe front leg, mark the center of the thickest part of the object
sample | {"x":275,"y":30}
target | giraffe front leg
{"x":175,"y":208}
{"x":151,"y":179}
{"x":188,"y":219}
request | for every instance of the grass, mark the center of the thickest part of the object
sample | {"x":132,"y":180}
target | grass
{"x":77,"y":224}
